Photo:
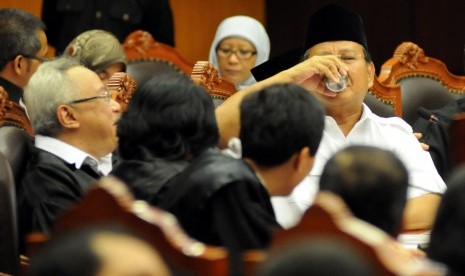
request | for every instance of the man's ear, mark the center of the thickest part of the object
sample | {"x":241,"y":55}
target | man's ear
{"x":67,"y":117}
{"x":18,"y":64}
{"x":371,"y":73}
{"x":303,"y":160}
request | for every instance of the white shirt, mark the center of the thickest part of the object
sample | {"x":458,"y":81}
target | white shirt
{"x":388,"y":133}
{"x":71,"y":154}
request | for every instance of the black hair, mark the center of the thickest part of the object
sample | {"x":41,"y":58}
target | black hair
{"x":448,"y":232}
{"x":279,"y":121}
{"x":373,"y":183}
{"x":168,"y":117}
{"x":18,"y":34}
{"x":321,"y":255}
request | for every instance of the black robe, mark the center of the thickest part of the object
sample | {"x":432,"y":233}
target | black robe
{"x":220,"y":201}
{"x":436,"y":134}
{"x":146,"y":179}
{"x":49,"y":187}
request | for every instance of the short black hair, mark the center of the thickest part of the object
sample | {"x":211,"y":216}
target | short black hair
{"x":279,"y":121}
{"x":168,"y":117}
{"x":373,"y":182}
{"x":18,"y":34}
{"x":319,"y":255}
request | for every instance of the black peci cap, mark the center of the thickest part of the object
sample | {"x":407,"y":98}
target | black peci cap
{"x":331,"y":23}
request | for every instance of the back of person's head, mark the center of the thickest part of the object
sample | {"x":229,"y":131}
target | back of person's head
{"x":18,"y":34}
{"x":49,"y":87}
{"x":323,"y":257}
{"x":448,"y":232}
{"x":98,"y":250}
{"x":278,"y":122}
{"x":96,"y":49}
{"x":169,"y":117}
{"x":373,"y":182}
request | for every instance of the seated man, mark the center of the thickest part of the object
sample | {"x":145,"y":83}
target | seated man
{"x":169,"y":121}
{"x":225,"y":201}
{"x":98,"y":251}
{"x":332,"y":49}
{"x":23,"y":47}
{"x":74,"y":119}
{"x":372,"y":182}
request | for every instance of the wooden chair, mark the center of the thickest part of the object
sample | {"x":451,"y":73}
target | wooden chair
{"x":424,"y":81}
{"x":12,"y":114}
{"x":205,"y":75}
{"x":110,"y":202}
{"x":384,"y":100}
{"x":329,"y":217}
{"x":122,"y":87}
{"x":9,"y":250}
{"x":147,"y":57}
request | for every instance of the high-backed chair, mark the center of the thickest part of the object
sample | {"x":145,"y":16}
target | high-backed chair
{"x":424,"y":81}
{"x":205,"y":75}
{"x":9,"y":252}
{"x":384,"y":100}
{"x":15,"y":145}
{"x":147,"y":57}
{"x":110,"y":202}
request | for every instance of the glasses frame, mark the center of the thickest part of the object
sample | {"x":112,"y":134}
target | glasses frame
{"x":238,"y":52}
{"x":107,"y":96}
{"x":39,"y":59}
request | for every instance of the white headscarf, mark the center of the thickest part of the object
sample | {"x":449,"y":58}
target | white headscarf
{"x":243,"y":27}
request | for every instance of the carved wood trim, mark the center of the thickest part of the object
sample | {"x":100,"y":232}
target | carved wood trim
{"x":409,"y":60}
{"x":388,"y":94}
{"x":205,"y":75}
{"x":141,"y":46}
{"x":122,"y":87}
{"x":12,"y":114}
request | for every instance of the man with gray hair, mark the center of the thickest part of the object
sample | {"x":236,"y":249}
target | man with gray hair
{"x":74,"y":118}
{"x":23,"y":47}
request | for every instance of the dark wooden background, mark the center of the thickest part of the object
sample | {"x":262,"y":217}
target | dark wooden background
{"x":436,"y":26}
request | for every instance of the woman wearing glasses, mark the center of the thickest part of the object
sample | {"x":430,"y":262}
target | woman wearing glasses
{"x":240,"y":43}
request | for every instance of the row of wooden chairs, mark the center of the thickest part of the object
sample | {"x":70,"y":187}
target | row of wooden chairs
{"x":109,"y":201}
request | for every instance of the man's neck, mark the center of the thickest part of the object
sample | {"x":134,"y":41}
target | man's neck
{"x":346,"y":118}
{"x":272,"y":178}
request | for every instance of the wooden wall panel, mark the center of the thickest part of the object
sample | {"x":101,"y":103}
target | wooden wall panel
{"x":32,"y":6}
{"x":196,"y":22}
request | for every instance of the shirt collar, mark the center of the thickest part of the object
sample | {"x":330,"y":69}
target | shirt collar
{"x":71,"y":154}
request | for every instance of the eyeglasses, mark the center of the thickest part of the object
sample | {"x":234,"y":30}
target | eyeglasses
{"x":39,"y":59}
{"x":346,"y":58}
{"x":106,"y":96}
{"x":241,"y":54}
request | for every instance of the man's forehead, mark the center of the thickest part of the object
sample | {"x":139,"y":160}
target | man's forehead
{"x":336,"y":47}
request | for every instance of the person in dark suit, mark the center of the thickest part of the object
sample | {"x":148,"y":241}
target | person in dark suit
{"x":435,"y":134}
{"x":66,"y":19}
{"x":169,"y":122}
{"x":22,"y":49}
{"x":74,"y":118}
{"x":225,"y":201}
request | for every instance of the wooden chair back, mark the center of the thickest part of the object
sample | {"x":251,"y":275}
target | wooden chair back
{"x":122,"y":87}
{"x":147,"y":57}
{"x":424,"y":81}
{"x":12,"y":114}
{"x":109,"y":201}
{"x":9,"y":250}
{"x":384,"y":100}
{"x":205,"y":75}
